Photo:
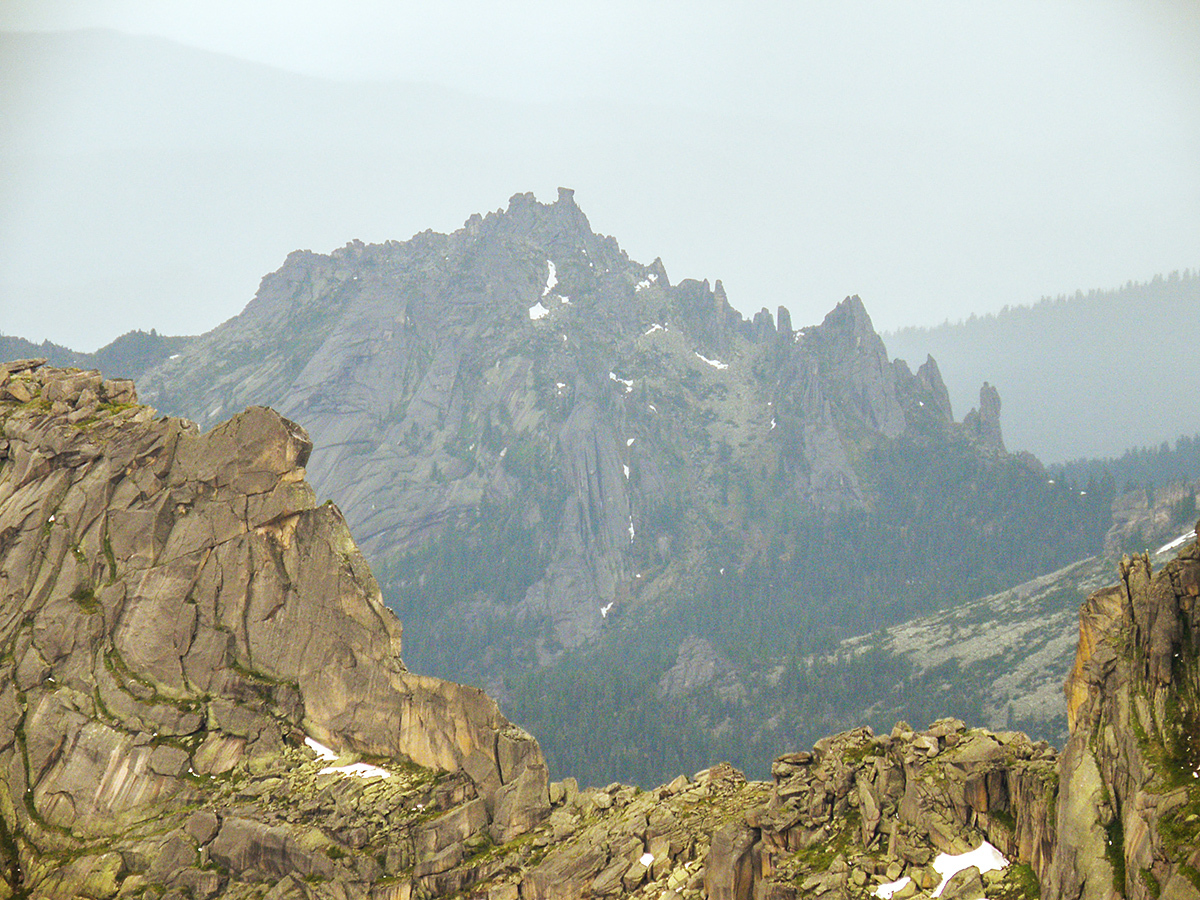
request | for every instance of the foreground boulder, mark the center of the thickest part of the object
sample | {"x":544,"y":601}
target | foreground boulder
{"x":201,"y":695}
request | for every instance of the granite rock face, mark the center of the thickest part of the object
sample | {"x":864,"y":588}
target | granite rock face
{"x":526,"y":363}
{"x":1129,"y":806}
{"x":177,"y":608}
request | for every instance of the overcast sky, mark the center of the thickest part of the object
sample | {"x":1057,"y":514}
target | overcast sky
{"x":1001,"y":151}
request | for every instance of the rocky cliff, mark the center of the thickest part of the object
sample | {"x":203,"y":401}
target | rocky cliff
{"x":179,"y":616}
{"x":201,"y":695}
{"x":1129,"y":805}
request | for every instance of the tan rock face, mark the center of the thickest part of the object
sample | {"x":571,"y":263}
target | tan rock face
{"x":176,"y":604}
{"x":1129,"y":805}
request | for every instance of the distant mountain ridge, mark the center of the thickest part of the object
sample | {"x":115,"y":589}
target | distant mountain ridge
{"x":570,"y":471}
{"x":1089,"y":375}
{"x":126,"y":357}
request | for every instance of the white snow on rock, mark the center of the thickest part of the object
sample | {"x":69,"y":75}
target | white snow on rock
{"x":631,"y":532}
{"x":653,"y":328}
{"x":646,"y":859}
{"x":772,"y":423}
{"x":175,"y":356}
{"x":604,"y":610}
{"x":886,"y":890}
{"x":626,"y":468}
{"x":985,"y":858}
{"x":551,"y":278}
{"x":1178,"y":542}
{"x":537,"y":311}
{"x":356,"y":770}
{"x":641,"y":286}
{"x":323,"y":752}
{"x":715,"y":363}
{"x":629,"y":441}
{"x":628,"y":382}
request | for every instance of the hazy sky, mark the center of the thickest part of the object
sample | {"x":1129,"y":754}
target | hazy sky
{"x":938,"y":158}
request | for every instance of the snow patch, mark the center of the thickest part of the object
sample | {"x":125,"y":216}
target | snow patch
{"x":646,"y":859}
{"x":323,"y":752}
{"x":626,"y":468}
{"x":551,"y":278}
{"x":175,"y":356}
{"x":604,"y":610}
{"x":886,"y":890}
{"x":356,"y":770}
{"x":1178,"y":542}
{"x":628,"y":382}
{"x":631,"y":531}
{"x":537,"y":311}
{"x":715,"y":363}
{"x":985,"y":857}
{"x":653,"y":328}
{"x":772,"y":423}
{"x":641,"y":286}
{"x":629,"y":441}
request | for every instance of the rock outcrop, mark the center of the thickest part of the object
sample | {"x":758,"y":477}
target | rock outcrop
{"x":984,"y":423}
{"x":178,"y":610}
{"x":1129,"y":804}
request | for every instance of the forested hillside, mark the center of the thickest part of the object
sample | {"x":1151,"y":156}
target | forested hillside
{"x":1084,"y":376}
{"x":1139,"y":467}
{"x":126,"y":357}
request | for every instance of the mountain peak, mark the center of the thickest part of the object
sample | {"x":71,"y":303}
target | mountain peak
{"x":850,"y":317}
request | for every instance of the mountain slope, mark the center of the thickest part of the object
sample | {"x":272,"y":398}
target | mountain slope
{"x":551,"y":451}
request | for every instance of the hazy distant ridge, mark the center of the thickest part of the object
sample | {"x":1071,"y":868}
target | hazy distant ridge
{"x":1088,"y":375}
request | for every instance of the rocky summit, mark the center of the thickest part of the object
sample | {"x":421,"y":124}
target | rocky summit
{"x":201,"y":695}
